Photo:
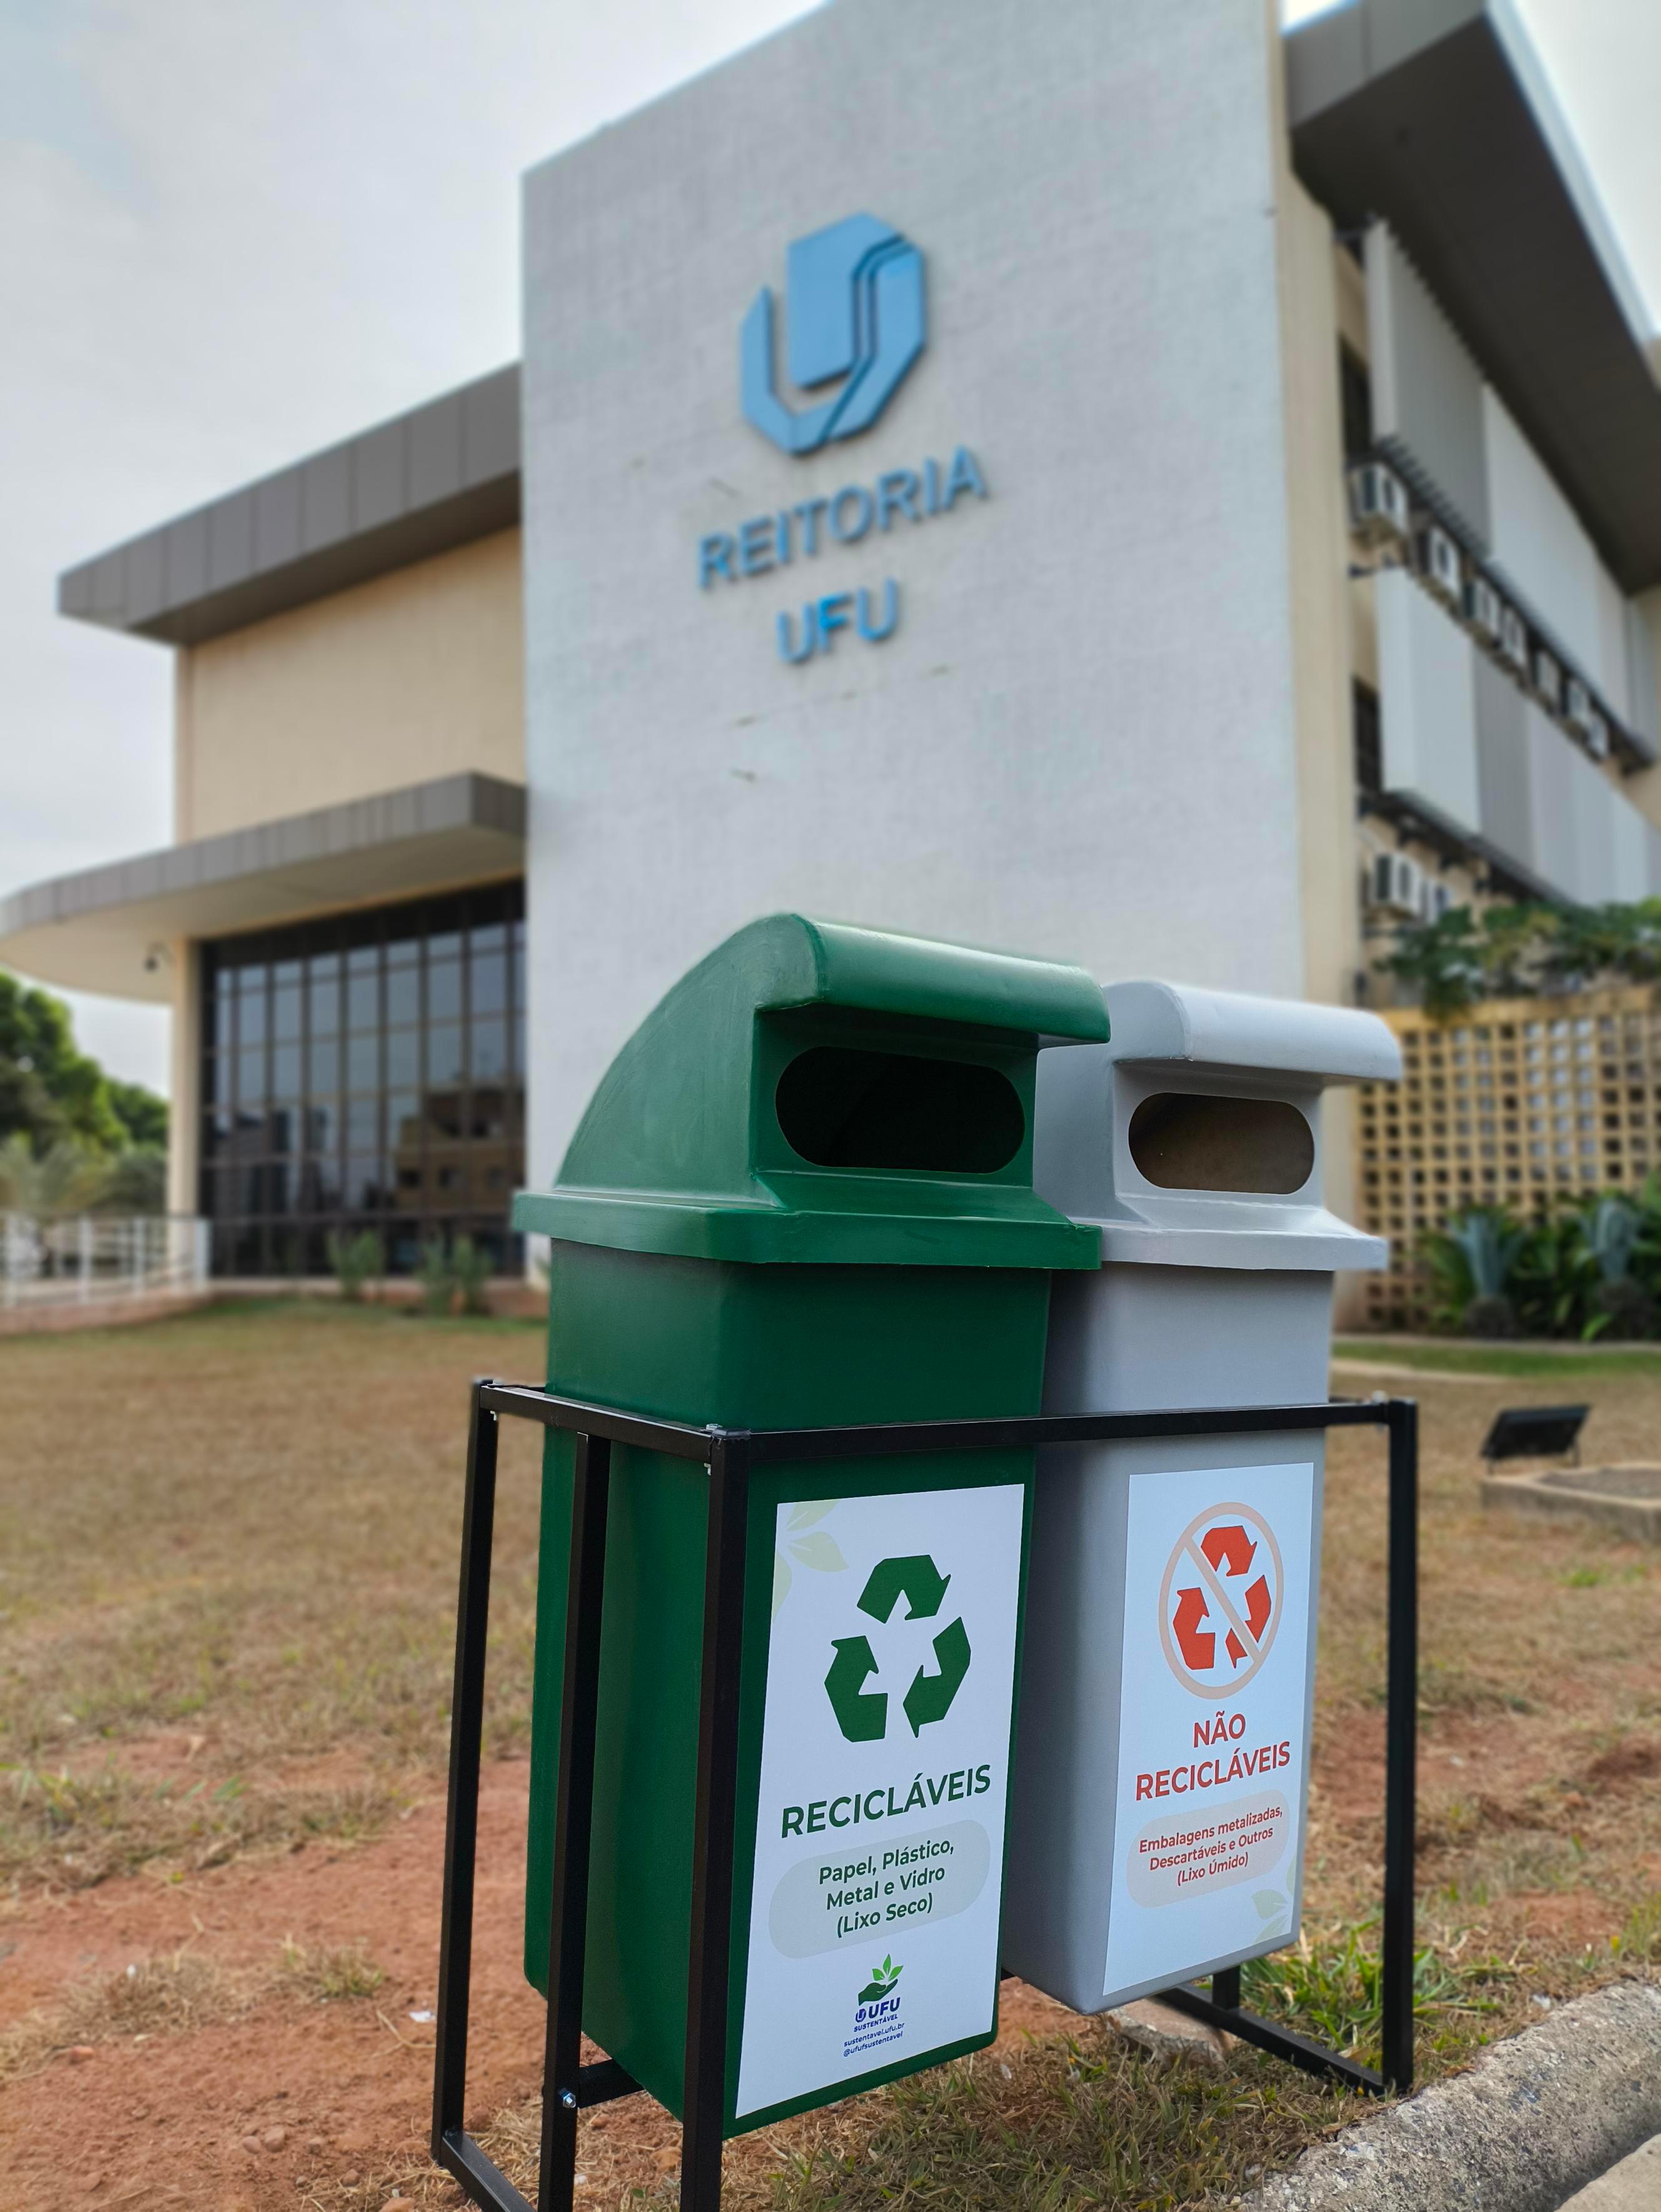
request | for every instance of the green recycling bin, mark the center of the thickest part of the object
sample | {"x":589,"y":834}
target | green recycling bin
{"x":802,"y":1196}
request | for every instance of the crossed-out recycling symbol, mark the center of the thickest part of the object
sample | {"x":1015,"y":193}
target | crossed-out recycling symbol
{"x":1220,"y":1600}
{"x":863,"y":1714}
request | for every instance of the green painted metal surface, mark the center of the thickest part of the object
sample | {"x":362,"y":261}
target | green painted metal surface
{"x":708,"y":1270}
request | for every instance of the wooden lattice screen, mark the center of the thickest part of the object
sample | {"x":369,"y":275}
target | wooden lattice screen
{"x":1523,"y":1102}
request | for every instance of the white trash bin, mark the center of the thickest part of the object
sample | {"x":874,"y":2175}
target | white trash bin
{"x":1162,"y":1748}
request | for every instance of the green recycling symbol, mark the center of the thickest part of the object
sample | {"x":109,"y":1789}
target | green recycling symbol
{"x":863,"y":1714}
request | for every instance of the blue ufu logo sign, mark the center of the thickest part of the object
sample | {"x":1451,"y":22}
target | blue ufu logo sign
{"x":855,"y":320}
{"x":855,"y":294}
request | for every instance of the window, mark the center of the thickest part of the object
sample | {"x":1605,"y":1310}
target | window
{"x":1369,"y":749}
{"x":367,"y":1072}
{"x":1355,"y":397}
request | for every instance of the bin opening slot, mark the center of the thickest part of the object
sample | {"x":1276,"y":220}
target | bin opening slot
{"x":1183,"y":1140}
{"x":841,"y":1108}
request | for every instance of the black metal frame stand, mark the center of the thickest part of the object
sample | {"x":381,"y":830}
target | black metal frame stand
{"x":729,"y":1455}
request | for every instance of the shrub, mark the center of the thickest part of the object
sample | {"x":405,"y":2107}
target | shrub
{"x":436,"y":1279}
{"x":1551,"y":1277}
{"x":355,"y":1260}
{"x":135,"y":1182}
{"x":470,"y":1271}
{"x":1592,"y":1270}
{"x":1518,"y":952}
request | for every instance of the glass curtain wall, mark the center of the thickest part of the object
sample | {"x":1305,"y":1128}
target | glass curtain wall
{"x":365,"y":1072}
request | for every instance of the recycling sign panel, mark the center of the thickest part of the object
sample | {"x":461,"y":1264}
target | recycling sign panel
{"x":1214,"y":1725}
{"x":883,"y":1788}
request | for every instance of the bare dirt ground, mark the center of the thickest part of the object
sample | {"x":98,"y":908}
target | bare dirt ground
{"x":227,"y":1547}
{"x":277,"y":2098}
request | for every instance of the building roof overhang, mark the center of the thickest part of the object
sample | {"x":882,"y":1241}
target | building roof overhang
{"x":1438,"y":119}
{"x":112,"y":929}
{"x":421,"y":484}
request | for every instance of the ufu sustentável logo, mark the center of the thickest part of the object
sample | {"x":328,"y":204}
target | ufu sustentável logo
{"x":876,"y":2012}
{"x":855,"y":310}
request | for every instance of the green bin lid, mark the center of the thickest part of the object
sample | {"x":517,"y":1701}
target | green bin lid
{"x":682,"y":1149}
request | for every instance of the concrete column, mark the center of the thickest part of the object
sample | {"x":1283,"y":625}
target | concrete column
{"x":1644,"y":789}
{"x":184,"y":1123}
{"x":1322,"y":671}
{"x":184,"y":747}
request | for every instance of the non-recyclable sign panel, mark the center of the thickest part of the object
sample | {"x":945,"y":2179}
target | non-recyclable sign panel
{"x":884,"y":1780}
{"x":1211,"y":1737}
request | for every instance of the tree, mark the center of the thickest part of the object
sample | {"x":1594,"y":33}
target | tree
{"x":1517,"y":952}
{"x":134,"y":1182}
{"x":141,"y":1113}
{"x":51,"y":1093}
{"x":27,"y":1108}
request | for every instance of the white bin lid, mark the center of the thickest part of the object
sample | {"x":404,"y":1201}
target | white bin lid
{"x":1222,"y":1031}
{"x":1270,"y":1047}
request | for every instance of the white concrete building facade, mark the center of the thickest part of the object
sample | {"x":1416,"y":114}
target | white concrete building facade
{"x":1079,"y":737}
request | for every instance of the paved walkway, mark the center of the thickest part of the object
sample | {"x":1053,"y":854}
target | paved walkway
{"x":1634,"y":2186}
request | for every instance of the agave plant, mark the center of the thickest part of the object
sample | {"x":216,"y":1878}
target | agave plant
{"x":1472,"y":1260}
{"x":1620,"y":1306}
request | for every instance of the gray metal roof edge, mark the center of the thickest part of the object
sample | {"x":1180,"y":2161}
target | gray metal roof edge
{"x":421,"y":483}
{"x":1342,"y":40}
{"x":469,"y":799}
{"x":1374,"y":95}
{"x":1528,"y":68}
{"x":1330,"y":55}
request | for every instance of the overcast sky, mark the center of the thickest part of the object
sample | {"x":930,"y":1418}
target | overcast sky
{"x":236,"y":230}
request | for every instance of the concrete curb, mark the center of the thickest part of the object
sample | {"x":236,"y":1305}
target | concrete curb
{"x":1536,"y":2118}
{"x":1559,"y":1346}
{"x":100,"y":1313}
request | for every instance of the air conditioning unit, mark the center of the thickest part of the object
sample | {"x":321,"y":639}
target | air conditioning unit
{"x":1577,"y":704}
{"x":1378,"y":504}
{"x":1438,"y":564}
{"x":1513,"y":638}
{"x":1438,"y":899}
{"x":1548,"y":679}
{"x":1395,"y":884}
{"x":1483,"y":610}
{"x":1598,"y":736}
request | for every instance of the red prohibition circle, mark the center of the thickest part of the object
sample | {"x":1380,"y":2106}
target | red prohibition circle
{"x":1223,"y":1621}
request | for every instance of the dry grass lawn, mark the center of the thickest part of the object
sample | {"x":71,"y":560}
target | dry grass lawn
{"x":228,"y":1557}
